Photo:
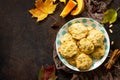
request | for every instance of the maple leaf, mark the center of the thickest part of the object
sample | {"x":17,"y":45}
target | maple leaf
{"x":47,"y":73}
{"x":43,"y":9}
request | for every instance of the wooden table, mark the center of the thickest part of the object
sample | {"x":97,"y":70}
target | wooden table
{"x":26,"y":45}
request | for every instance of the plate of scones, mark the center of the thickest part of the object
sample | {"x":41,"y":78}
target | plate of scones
{"x":82,"y":44}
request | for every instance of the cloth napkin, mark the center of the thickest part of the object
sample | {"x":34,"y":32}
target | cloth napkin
{"x":101,"y":73}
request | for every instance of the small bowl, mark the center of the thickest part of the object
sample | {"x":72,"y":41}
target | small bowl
{"x":86,"y":22}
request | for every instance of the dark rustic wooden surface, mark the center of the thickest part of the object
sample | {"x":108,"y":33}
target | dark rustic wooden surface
{"x":26,"y":45}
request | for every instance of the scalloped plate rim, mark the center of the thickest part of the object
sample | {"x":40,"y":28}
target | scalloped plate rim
{"x":100,"y":61}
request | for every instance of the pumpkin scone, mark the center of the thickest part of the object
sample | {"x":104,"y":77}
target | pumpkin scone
{"x":83,"y":62}
{"x":71,"y":61}
{"x":85,"y":46}
{"x":68,"y":49}
{"x":99,"y":52}
{"x":78,"y":31}
{"x":66,"y":37}
{"x":90,"y":28}
{"x":96,"y":37}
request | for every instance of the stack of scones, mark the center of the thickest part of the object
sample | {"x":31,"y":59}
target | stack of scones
{"x":80,"y":44}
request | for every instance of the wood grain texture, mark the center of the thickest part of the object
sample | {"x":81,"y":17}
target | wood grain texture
{"x":26,"y":45}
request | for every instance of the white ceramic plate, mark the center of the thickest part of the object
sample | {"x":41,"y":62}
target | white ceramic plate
{"x":86,"y":22}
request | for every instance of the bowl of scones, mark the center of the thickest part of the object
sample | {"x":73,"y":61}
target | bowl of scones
{"x":82,"y":44}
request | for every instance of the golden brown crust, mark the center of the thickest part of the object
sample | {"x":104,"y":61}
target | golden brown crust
{"x":96,"y":37}
{"x":68,"y":49}
{"x":99,"y":52}
{"x":78,"y":31}
{"x":71,"y":61}
{"x":83,"y":62}
{"x":66,"y":37}
{"x":90,"y":28}
{"x":85,"y":46}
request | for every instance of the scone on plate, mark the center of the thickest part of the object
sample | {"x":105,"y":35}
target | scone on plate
{"x":90,"y":28}
{"x":68,"y":49}
{"x":85,"y":46}
{"x":99,"y":52}
{"x":71,"y":61}
{"x":66,"y":37}
{"x":83,"y":62}
{"x":78,"y":31}
{"x":96,"y":37}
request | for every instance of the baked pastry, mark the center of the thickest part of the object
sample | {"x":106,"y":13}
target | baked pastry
{"x":68,"y":49}
{"x":71,"y":61}
{"x":85,"y":46}
{"x":83,"y":62}
{"x":80,"y":44}
{"x":96,"y":37}
{"x":90,"y":28}
{"x":66,"y":37}
{"x":78,"y":31}
{"x":99,"y":52}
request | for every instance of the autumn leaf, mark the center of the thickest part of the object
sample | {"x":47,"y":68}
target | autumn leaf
{"x":43,"y":9}
{"x":41,"y":73}
{"x":47,"y":73}
{"x":110,"y":16}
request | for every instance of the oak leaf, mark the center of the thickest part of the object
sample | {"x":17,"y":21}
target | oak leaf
{"x":43,"y":9}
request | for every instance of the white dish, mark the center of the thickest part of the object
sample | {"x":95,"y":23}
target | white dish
{"x":86,"y":22}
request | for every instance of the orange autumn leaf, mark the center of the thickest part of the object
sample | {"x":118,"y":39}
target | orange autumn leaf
{"x":43,"y":9}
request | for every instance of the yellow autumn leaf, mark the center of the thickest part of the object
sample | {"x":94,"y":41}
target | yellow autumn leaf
{"x":43,"y":9}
